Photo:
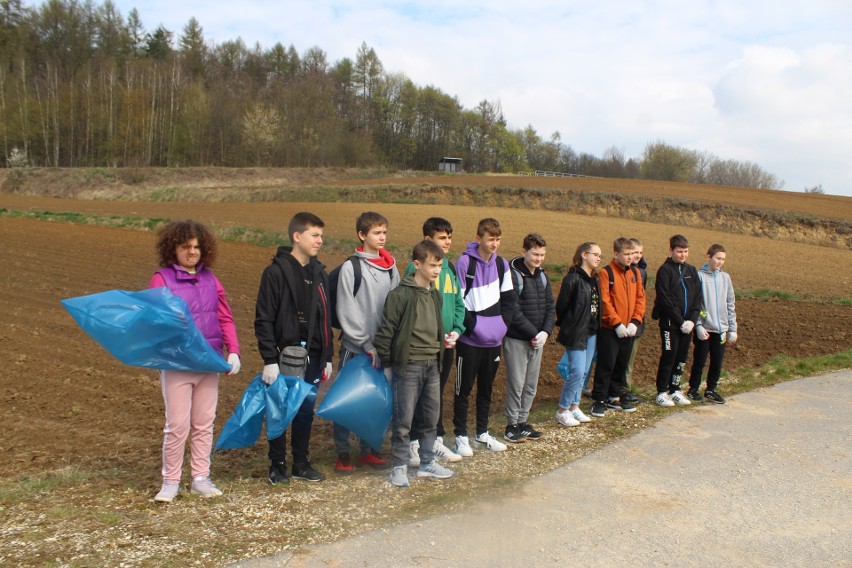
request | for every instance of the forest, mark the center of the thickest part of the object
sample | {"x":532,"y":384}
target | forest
{"x":83,"y":85}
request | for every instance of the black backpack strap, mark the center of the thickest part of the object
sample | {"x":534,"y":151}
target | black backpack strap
{"x":452,"y":268}
{"x":356,"y":274}
{"x":468,"y":277}
{"x":608,"y":269}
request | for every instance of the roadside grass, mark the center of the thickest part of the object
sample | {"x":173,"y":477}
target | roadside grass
{"x":771,"y":295}
{"x":94,"y":512}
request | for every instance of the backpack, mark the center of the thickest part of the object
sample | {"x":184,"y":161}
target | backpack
{"x":471,"y":271}
{"x":334,"y":277}
{"x":608,"y":269}
{"x":519,"y":281}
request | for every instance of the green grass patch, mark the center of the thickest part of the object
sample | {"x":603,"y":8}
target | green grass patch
{"x":767,"y":295}
{"x":113,"y":221}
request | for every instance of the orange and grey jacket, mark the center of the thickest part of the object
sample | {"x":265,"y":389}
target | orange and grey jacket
{"x":625,"y":301}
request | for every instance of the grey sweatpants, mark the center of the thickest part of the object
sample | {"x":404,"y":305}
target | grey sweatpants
{"x":522,"y":368}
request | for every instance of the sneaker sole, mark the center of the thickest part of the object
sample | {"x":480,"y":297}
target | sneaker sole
{"x":284,"y":482}
{"x":426,"y":475}
{"x":535,"y":439}
{"x":517,"y":441}
{"x":306,"y":478}
{"x":206,"y":495}
{"x":714,"y":401}
{"x":455,"y":458}
{"x":503,"y":449}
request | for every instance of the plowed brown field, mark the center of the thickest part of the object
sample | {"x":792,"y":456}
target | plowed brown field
{"x":64,"y":399}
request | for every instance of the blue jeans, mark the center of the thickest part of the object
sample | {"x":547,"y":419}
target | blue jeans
{"x":419,"y":387}
{"x":579,"y":363}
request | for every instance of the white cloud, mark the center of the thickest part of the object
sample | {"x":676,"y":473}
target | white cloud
{"x":767,"y":81}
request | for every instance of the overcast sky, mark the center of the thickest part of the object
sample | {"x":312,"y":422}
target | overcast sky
{"x":768,"y":81}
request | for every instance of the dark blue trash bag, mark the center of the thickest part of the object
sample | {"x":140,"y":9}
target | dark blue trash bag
{"x":361,"y":400}
{"x":152,"y":329}
{"x":278,"y":402}
{"x":563,"y":367}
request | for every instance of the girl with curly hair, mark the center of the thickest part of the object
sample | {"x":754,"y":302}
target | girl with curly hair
{"x":186,"y":251}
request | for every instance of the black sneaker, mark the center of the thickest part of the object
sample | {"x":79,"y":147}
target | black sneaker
{"x":714,"y":397}
{"x":278,"y":474}
{"x":694,"y":395}
{"x":529,"y":432}
{"x":513,"y":434}
{"x":631,"y":398}
{"x":598,"y":408}
{"x":307,"y":472}
{"x":626,"y":406}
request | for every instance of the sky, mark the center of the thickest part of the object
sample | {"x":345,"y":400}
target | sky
{"x":766,"y":81}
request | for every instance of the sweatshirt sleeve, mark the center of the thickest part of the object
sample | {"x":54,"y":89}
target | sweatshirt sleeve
{"x":458,"y":309}
{"x":696,"y":300}
{"x":550,"y":307}
{"x":732,"y":309}
{"x":388,"y":328}
{"x":565,"y":292}
{"x":226,"y":320}
{"x":266,"y":308}
{"x":609,"y":317}
{"x":352,"y":321}
{"x":638,"y":315}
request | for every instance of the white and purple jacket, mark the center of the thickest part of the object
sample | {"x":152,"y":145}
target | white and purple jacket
{"x":489,"y":303}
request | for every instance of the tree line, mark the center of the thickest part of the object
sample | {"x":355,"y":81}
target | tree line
{"x":82,"y":85}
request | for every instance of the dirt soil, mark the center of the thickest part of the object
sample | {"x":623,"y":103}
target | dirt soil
{"x":66,"y":401}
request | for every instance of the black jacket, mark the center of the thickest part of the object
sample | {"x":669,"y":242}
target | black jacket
{"x":282,"y":292}
{"x":574,"y":308}
{"x":534,"y":310}
{"x":679,"y":297}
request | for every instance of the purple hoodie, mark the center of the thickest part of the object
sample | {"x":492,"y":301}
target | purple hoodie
{"x":489,"y":304}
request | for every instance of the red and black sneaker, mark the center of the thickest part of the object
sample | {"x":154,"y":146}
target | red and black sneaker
{"x":343,"y":465}
{"x":374,"y":460}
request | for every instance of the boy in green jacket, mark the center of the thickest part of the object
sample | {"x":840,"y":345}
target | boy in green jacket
{"x":440,"y":231}
{"x":411,"y":341}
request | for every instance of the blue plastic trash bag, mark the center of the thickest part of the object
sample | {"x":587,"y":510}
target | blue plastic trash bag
{"x":360,"y":399}
{"x":297,"y":391}
{"x":279,"y":402}
{"x":243,"y":427}
{"x":152,"y":329}
{"x":563,"y":367}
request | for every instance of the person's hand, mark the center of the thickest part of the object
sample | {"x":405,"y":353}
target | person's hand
{"x":732,"y":337}
{"x":539,"y":340}
{"x":327,"y":372}
{"x":234,"y":361}
{"x":374,"y":358}
{"x":631,"y":329}
{"x":450,"y":339}
{"x":621,"y":331}
{"x":270,"y":373}
{"x":388,"y":373}
{"x":701,"y":333}
{"x":687,"y":326}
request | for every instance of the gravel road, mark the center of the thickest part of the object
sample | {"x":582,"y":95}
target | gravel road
{"x":764,"y":480}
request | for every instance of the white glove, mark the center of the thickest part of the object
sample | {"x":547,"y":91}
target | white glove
{"x":631,"y":329}
{"x":539,"y":340}
{"x":374,"y":358}
{"x":270,"y":373}
{"x":732,"y":337}
{"x":234,"y":361}
{"x":450,"y":339}
{"x":687,"y":326}
{"x":701,"y":333}
{"x":388,"y":373}
{"x":326,"y":374}
{"x":621,"y":331}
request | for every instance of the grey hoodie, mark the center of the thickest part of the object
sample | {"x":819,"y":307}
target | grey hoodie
{"x":361,"y":314}
{"x":720,"y":315}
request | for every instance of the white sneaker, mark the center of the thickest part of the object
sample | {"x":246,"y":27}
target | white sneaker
{"x":663,"y":399}
{"x":168,"y":492}
{"x":679,"y":399}
{"x":567,"y":418}
{"x":579,"y":416}
{"x":442,"y":452}
{"x":490,"y":442}
{"x":414,"y":453}
{"x":463,"y":447}
{"x":203,"y":487}
{"x":434,"y":470}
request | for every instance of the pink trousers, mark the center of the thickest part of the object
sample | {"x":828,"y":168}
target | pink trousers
{"x":190,"y":399}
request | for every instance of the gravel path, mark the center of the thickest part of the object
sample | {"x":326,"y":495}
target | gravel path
{"x":765,"y":480}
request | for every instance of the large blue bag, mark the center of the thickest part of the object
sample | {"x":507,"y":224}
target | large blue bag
{"x":361,"y":400}
{"x":279,"y":402}
{"x":563,"y":367}
{"x":152,"y":329}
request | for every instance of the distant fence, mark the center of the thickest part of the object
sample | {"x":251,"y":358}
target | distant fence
{"x":554,"y":174}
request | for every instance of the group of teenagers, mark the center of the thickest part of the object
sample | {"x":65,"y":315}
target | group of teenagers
{"x":438,"y":315}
